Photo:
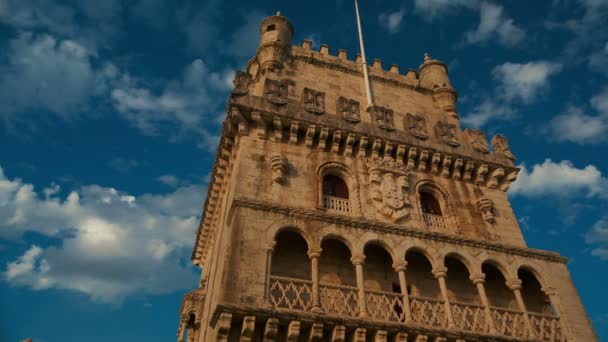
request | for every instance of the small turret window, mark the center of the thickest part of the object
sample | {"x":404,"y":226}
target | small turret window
{"x":429,"y":204}
{"x":270,"y":28}
{"x":334,"y":186}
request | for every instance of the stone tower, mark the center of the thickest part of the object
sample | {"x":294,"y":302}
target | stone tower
{"x":329,"y":221}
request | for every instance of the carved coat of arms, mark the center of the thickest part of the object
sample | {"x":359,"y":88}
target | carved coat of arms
{"x":389,"y":184}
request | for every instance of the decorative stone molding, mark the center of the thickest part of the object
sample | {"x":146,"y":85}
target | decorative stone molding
{"x":380,"y":336}
{"x":348,"y":109}
{"x":478,"y":278}
{"x":293,"y":331}
{"x":313,"y":101}
{"x":477,"y":139}
{"x":316,"y":332}
{"x":359,"y":335}
{"x":358,"y":259}
{"x":514,"y":284}
{"x":338,"y":334}
{"x":275,"y":91}
{"x":400,"y":266}
{"x":440,"y":272}
{"x":401,"y":337}
{"x":278,"y":165}
{"x":486,"y":207}
{"x":495,"y":178}
{"x":447,"y":133}
{"x":382,"y":117}
{"x":416,"y":125}
{"x":500,"y":145}
{"x":241,"y":83}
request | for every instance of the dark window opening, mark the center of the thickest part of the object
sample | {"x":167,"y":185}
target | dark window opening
{"x":429,"y":204}
{"x":334,"y":186}
{"x":270,"y":28}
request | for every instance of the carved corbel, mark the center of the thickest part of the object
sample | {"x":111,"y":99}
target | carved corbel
{"x":422,"y":160}
{"x":350,"y":142}
{"x":400,"y":337}
{"x":278,"y":129}
{"x":445,"y":166}
{"x":293,"y":133}
{"x":359,"y":335}
{"x":388,"y":150}
{"x":511,"y":177}
{"x":260,"y":125}
{"x":335,"y":142}
{"x":400,"y":153}
{"x":457,"y":169}
{"x":237,"y":117}
{"x":480,"y":177}
{"x":293,"y":331}
{"x":421,"y":338}
{"x":248,"y":329}
{"x":486,"y":207}
{"x":468,"y":170}
{"x":376,"y":146}
{"x":411,"y":158}
{"x":338,"y":334}
{"x":310,"y":135}
{"x":223,"y":329}
{"x":278,"y":164}
{"x":363,"y":146}
{"x":435,"y":162}
{"x":271,"y":329}
{"x":380,"y":336}
{"x":441,"y":339}
{"x":323,"y":138}
{"x":495,"y":177}
{"x":316,"y":332}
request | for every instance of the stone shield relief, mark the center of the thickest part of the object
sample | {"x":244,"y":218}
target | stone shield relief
{"x":389,"y":184}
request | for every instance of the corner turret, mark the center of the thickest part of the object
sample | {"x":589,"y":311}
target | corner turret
{"x":433,"y":75}
{"x":275,"y":42}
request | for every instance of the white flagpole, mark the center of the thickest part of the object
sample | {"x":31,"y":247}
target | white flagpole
{"x":365,"y":74}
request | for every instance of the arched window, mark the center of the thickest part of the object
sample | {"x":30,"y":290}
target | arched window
{"x":334,"y":186}
{"x":429,"y":204}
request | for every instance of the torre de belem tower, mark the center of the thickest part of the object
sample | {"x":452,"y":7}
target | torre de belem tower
{"x":329,"y":218}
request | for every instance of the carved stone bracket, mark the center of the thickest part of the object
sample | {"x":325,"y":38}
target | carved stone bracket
{"x":486,"y":207}
{"x":278,"y":163}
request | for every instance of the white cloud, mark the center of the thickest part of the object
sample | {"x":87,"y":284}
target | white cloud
{"x":391,"y":21}
{"x":36,"y":63}
{"x":494,"y":24}
{"x":170,"y":180}
{"x":435,"y":8}
{"x":113,"y":244}
{"x":598,"y":235}
{"x":487,"y":111}
{"x":575,"y":125}
{"x":525,"y":81}
{"x":560,"y":179}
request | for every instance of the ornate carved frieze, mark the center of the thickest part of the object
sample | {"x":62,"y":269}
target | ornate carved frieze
{"x":500,"y":144}
{"x":241,"y":83}
{"x":486,"y":207}
{"x":447,"y":133}
{"x":275,"y":91}
{"x":389,"y":184}
{"x":383,"y":117}
{"x":313,"y":101}
{"x":278,"y":164}
{"x":477,"y":139}
{"x":348,"y":109}
{"x":416,"y":125}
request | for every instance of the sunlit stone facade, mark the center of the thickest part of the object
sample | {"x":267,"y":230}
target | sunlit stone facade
{"x":331,"y":220}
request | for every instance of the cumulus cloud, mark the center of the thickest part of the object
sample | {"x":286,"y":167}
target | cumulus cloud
{"x":494,"y":24}
{"x":525,"y":81}
{"x":598,"y":236}
{"x":35,"y":63}
{"x":391,"y":21}
{"x":486,"y":111}
{"x":559,"y":179}
{"x":435,"y":8}
{"x":113,"y":244}
{"x":575,"y":125}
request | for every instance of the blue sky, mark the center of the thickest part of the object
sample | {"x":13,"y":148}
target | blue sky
{"x":110,"y":112}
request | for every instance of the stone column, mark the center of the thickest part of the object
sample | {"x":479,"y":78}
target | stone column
{"x":269,"y":249}
{"x":515,"y":286}
{"x":400,"y":269}
{"x":479,"y":280}
{"x":551,"y":292}
{"x":440,"y":273}
{"x":358,"y":260}
{"x":314,"y":254}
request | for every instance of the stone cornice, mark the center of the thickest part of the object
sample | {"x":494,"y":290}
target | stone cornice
{"x":312,"y":317}
{"x":382,"y":227}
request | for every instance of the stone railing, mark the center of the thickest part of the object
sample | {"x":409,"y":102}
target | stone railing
{"x":546,"y":327}
{"x":434,"y":220}
{"x":339,"y":299}
{"x":470,"y":317}
{"x":428,"y":311}
{"x":336,"y":204}
{"x":291,"y":293}
{"x":509,"y":322}
{"x":385,"y":306}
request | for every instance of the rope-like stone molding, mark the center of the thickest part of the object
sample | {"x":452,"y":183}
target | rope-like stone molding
{"x":353,"y":322}
{"x":382,"y":227}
